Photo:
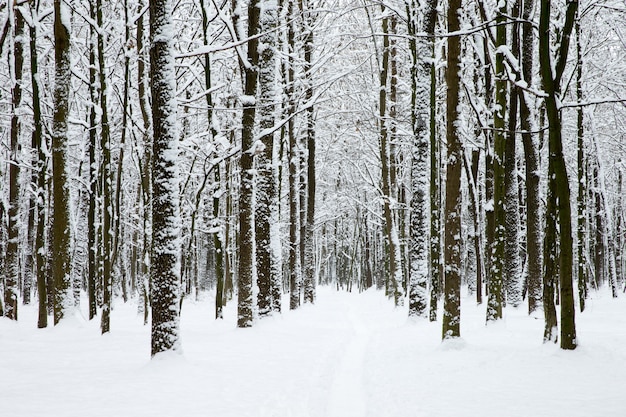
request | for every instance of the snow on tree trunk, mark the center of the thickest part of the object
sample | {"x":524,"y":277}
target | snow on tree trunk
{"x":497,"y":264}
{"x":39,"y":175}
{"x":166,"y":241}
{"x":245,"y":303}
{"x":420,"y":81}
{"x":60,"y":242}
{"x":266,"y":197}
{"x":309,"y":279}
{"x":12,"y":249}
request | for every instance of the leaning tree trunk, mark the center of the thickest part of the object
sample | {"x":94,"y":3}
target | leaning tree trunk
{"x":166,"y":243}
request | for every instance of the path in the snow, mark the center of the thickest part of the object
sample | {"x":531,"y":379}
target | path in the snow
{"x":347,"y":396}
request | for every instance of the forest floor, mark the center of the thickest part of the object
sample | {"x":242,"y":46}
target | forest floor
{"x":348,"y":355}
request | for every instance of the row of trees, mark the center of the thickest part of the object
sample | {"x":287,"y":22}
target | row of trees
{"x":261,"y":147}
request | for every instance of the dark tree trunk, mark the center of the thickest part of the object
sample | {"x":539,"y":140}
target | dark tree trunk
{"x":60,"y":254}
{"x":166,"y":245}
{"x":452,"y":243}
{"x":246,"y":225}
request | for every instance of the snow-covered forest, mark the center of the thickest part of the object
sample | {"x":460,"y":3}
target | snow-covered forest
{"x":247,"y":162}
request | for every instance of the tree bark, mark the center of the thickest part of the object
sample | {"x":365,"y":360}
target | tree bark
{"x":11,"y":284}
{"x":245,"y":316}
{"x":452,"y":241}
{"x":60,"y":254}
{"x":551,"y":78}
{"x":166,"y":240}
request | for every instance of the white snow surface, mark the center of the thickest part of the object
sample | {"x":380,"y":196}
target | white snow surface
{"x":349,"y":355}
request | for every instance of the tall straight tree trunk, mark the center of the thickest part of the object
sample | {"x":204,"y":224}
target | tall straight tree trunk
{"x":580,"y":159}
{"x":309,"y":244}
{"x":166,"y":239}
{"x":395,"y":269}
{"x":60,"y":253}
{"x":146,"y":169}
{"x":452,"y":236}
{"x":550,"y":259}
{"x":292,"y":156}
{"x":497,"y":275}
{"x":420,"y":112}
{"x":116,"y":238}
{"x":512,"y":267}
{"x":551,"y":78}
{"x":92,"y":267}
{"x":11,"y":283}
{"x":217,"y":223}
{"x":105,"y":148}
{"x":245,"y":301}
{"x":266,"y":198}
{"x":39,"y":174}
{"x":534,"y":258}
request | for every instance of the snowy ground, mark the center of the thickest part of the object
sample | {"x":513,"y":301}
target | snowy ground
{"x":349,"y":355}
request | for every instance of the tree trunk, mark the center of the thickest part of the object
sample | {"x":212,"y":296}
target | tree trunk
{"x":266,"y":197}
{"x":452,"y":241}
{"x":420,"y":82}
{"x":107,"y":208}
{"x":497,"y":276}
{"x":395,"y":269}
{"x":60,"y":255}
{"x":39,"y":175}
{"x":582,"y":201}
{"x":309,"y":278}
{"x":246,"y":225}
{"x":512,"y":267}
{"x":534,"y":259}
{"x":551,"y":77}
{"x":11,"y":283}
{"x":166,"y":243}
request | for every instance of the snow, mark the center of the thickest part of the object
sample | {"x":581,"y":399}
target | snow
{"x":349,"y":355}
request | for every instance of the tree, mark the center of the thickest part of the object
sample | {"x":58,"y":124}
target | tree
{"x":512,"y":268}
{"x":39,"y":172}
{"x":391,"y":230}
{"x":452,"y":236}
{"x":420,"y":112}
{"x":107,"y":207}
{"x":267,"y":201}
{"x":309,"y":244}
{"x":60,"y":254}
{"x":166,"y":244}
{"x":534,"y":258}
{"x":551,"y":69}
{"x":245,"y":313}
{"x":12,"y":254}
{"x":497,"y":264}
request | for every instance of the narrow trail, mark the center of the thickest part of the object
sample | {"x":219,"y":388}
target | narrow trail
{"x":347,"y":398}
